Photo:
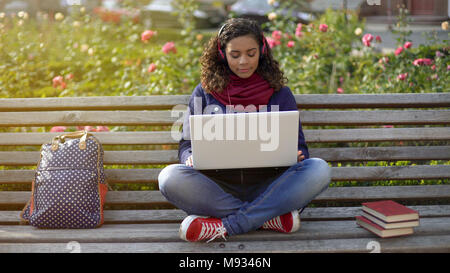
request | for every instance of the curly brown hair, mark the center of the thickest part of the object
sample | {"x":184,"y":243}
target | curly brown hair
{"x":215,"y":72}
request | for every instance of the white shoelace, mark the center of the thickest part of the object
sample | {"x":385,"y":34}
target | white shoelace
{"x":212,"y":230}
{"x":274,"y":223}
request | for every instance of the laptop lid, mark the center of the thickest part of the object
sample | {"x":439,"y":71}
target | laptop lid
{"x":244,"y":140}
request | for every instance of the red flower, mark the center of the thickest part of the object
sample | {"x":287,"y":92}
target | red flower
{"x":169,"y":47}
{"x":340,"y":90}
{"x":407,"y":45}
{"x":291,"y":44}
{"x":151,"y":68}
{"x":424,"y":61}
{"x":366,"y":39}
{"x":323,"y":27}
{"x":402,"y":77}
{"x":398,"y":51}
{"x":378,"y":39}
{"x":147,"y":35}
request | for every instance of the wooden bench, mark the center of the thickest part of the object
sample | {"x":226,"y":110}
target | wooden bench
{"x":341,"y":129}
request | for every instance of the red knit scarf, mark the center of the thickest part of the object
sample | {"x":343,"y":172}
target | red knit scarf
{"x":253,"y":90}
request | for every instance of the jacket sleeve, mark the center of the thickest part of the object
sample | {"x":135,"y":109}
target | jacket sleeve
{"x":289,"y":104}
{"x":184,"y":147}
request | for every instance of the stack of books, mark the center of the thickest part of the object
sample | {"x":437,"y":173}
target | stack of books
{"x":388,"y":218}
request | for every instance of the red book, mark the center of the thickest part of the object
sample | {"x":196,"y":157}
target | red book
{"x":390,"y":211}
{"x":378,"y":230}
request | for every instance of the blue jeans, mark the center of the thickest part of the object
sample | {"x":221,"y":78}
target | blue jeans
{"x":242,"y":207}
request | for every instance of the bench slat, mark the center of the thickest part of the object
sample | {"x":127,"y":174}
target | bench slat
{"x":337,"y":236}
{"x":373,"y":100}
{"x":73,"y":118}
{"x":331,"y":194}
{"x":106,"y":138}
{"x":167,"y":102}
{"x":311,"y":136}
{"x":176,"y":215}
{"x":337,"y":173}
{"x":433,"y":244}
{"x":168,"y":232}
{"x":21,"y":158}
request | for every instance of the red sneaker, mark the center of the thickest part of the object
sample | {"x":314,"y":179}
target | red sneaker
{"x":197,"y":228}
{"x":287,"y":223}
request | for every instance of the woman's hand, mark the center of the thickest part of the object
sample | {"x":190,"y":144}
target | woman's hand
{"x":189,"y":161}
{"x":300,"y":156}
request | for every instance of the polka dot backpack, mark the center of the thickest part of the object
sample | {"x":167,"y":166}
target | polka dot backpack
{"x":69,"y":187}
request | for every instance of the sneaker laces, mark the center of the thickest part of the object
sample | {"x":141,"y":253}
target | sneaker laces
{"x":274,"y":223}
{"x":212,"y":231}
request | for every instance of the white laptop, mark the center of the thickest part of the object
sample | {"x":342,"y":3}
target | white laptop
{"x":244,"y":140}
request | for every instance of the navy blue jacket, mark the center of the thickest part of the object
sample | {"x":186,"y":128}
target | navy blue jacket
{"x":283,"y":98}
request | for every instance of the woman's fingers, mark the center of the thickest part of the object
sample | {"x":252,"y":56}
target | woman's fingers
{"x":189,"y":161}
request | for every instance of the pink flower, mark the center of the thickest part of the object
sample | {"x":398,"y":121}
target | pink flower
{"x":86,"y":128}
{"x":448,"y":67}
{"x":169,"y":47}
{"x":58,"y":129}
{"x":276,"y":34}
{"x":151,"y":68}
{"x":402,"y":77}
{"x":89,"y":129}
{"x":290,"y":44}
{"x":422,"y":61}
{"x":398,"y":51}
{"x":298,"y":30}
{"x":323,"y":27}
{"x":378,"y":39}
{"x":340,"y":90}
{"x":383,"y":60}
{"x":388,"y":126}
{"x":147,"y":35}
{"x":102,"y":129}
{"x":58,"y":80}
{"x":69,"y":76}
{"x":299,"y":33}
{"x":439,"y":54}
{"x":407,"y":45}
{"x":272,"y":42}
{"x":366,"y":39}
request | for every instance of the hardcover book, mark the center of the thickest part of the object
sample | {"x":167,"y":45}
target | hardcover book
{"x":380,"y":231}
{"x":387,"y":225}
{"x":390,"y":211}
